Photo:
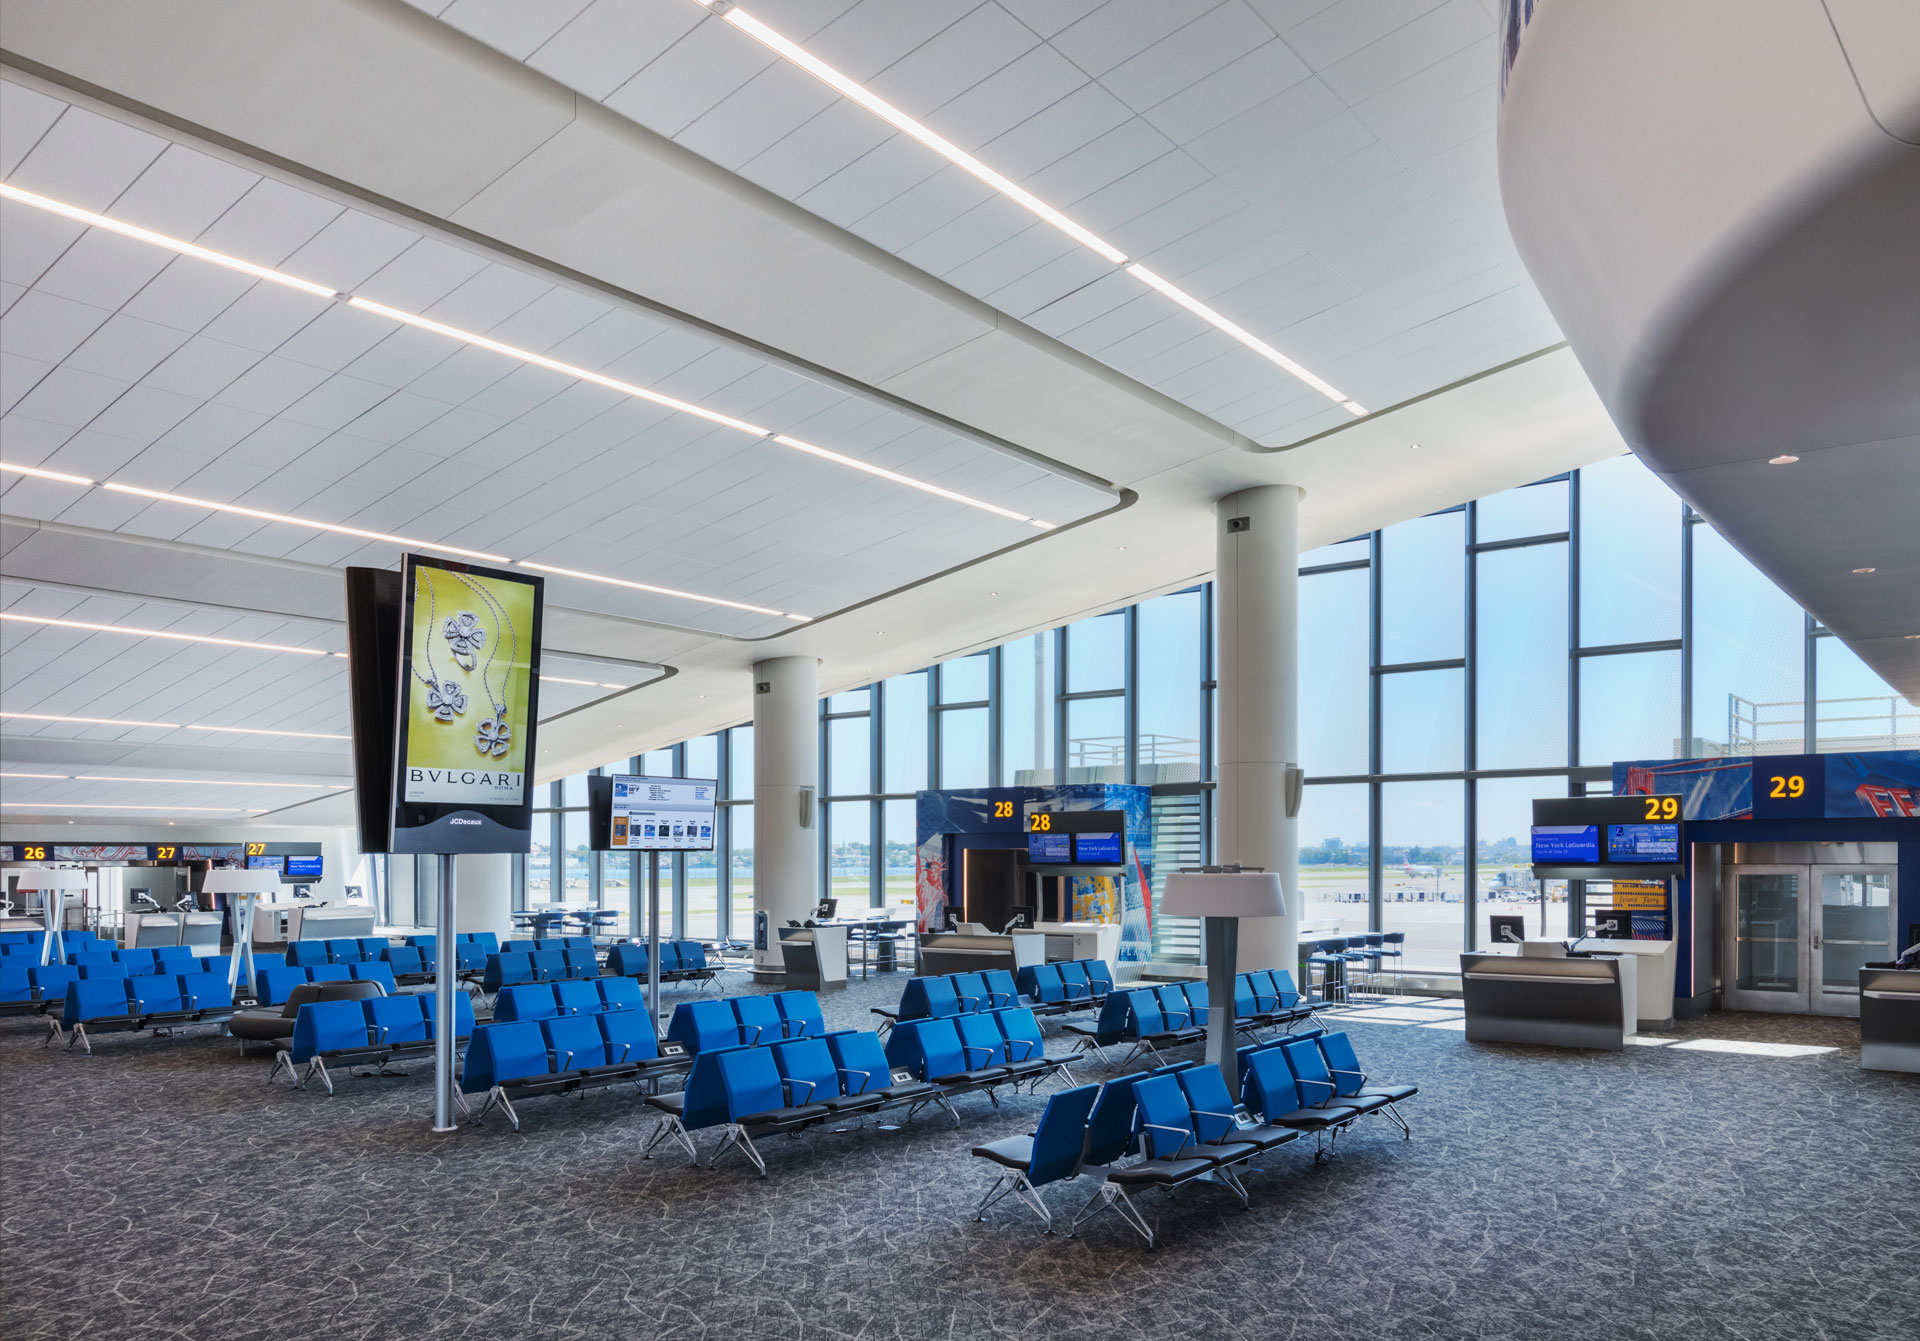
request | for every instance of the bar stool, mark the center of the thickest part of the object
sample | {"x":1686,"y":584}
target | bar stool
{"x":1328,"y":954}
{"x":1393,"y":947}
{"x":1371,"y":949}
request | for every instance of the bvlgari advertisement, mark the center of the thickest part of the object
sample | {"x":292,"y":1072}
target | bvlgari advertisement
{"x":469,"y":695}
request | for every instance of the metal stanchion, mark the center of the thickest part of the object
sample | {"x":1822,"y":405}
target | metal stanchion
{"x":445,"y":986}
{"x":653,"y":936}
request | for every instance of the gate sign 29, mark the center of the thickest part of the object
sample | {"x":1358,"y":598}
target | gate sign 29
{"x":1791,"y":787}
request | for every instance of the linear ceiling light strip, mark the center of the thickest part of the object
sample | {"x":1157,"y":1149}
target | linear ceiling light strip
{"x":187,"y":782}
{"x":853,"y":91}
{"x":87,"y":627}
{"x":174,"y":726}
{"x":77,"y":805}
{"x":414,"y":319}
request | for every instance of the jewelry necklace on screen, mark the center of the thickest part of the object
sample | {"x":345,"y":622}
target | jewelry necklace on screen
{"x":464,"y":637}
{"x":495,"y":736}
{"x":444,"y":697}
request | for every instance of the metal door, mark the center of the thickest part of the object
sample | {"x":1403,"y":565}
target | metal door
{"x":1797,"y":935}
{"x":1850,"y":911}
{"x":1768,"y":940}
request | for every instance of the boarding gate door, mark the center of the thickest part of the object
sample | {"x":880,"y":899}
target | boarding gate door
{"x":1797,"y":935}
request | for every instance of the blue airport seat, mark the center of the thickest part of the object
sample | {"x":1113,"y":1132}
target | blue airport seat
{"x":462,"y":1012}
{"x":757,"y":1103}
{"x":406,"y":961}
{"x":525,"y":1001}
{"x":619,"y":994}
{"x":175,"y":959}
{"x":330,"y":973}
{"x":759,"y":1019}
{"x":344,"y":951}
{"x":582,"y":963}
{"x":48,"y":982}
{"x":375,"y":972}
{"x":428,"y":946}
{"x":15,"y":989}
{"x":328,"y":1027}
{"x":140,"y":963}
{"x":807,"y":1068}
{"x":521,"y":946}
{"x":396,"y":1021}
{"x":1114,"y":1024}
{"x":272,"y":983}
{"x":576,"y":997}
{"x":548,"y":965}
{"x":100,"y":966}
{"x":701,"y":1026}
{"x":1050,"y":1155}
{"x":374,"y":947}
{"x":800,"y":1014}
{"x":1099,"y":976}
{"x":970,"y":990}
{"x":206,"y":992}
{"x":1002,"y":991}
{"x":864,"y":1068}
{"x":628,"y":960}
{"x":981,"y":1043}
{"x":506,"y":969}
{"x":575,"y":1043}
{"x":306,"y":954}
{"x":1073,"y":981}
{"x":629,"y":1035}
{"x":1216,"y":1117}
{"x":928,"y":999}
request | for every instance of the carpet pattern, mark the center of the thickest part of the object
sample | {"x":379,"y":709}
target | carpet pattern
{"x":162,"y":1189}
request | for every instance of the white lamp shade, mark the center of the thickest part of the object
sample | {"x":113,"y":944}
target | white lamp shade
{"x":242,"y":882}
{"x":1226,"y":894}
{"x":49,"y":879}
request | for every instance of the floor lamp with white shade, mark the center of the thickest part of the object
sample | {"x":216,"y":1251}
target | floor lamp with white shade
{"x":1222,"y":895}
{"x":243,"y":889}
{"x":52,"y":885}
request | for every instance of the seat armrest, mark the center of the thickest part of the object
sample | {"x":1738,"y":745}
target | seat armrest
{"x":625,"y":1048}
{"x":970,"y":1048}
{"x":755,"y":1040}
{"x":1026,"y":1043}
{"x":807,"y":1097}
{"x":1326,"y":1085}
{"x":1185,"y":1135}
{"x":377,"y":1034}
{"x":866,"y":1077}
{"x":1360,"y":1076}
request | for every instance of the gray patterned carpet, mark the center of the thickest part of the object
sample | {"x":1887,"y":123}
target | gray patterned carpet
{"x":160,"y":1189}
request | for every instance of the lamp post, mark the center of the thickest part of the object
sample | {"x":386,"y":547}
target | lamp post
{"x":53,"y":886}
{"x":1222,"y":895}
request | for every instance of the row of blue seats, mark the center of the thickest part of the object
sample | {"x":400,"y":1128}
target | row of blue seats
{"x":18,"y":944}
{"x":564,"y":1054}
{"x":272,"y":982}
{"x":785,"y":1087}
{"x":375,"y":1032}
{"x":1072,"y":984}
{"x":360,"y":950}
{"x":133,"y":1004}
{"x":981,"y":1050}
{"x":680,"y":961}
{"x":32,"y":986}
{"x":1178,"y":1125}
{"x":509,"y":968}
{"x":544,"y":1001}
{"x":730,"y":1022}
{"x":470,"y":949}
{"x":1175,"y":1014}
{"x":527,"y":947}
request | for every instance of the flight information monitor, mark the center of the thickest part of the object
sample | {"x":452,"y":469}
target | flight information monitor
{"x":1097,"y":849}
{"x":1562,"y":843}
{"x":1049,"y":848}
{"x":660,"y":814}
{"x":1658,"y":843}
{"x":303,"y":868}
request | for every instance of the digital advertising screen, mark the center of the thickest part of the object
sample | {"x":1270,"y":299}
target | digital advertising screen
{"x":1563,"y":844}
{"x":660,"y":814}
{"x":303,"y":868}
{"x":264,"y":863}
{"x":1050,"y":848}
{"x":1643,"y":842}
{"x":468,"y":697}
{"x":1097,"y":849}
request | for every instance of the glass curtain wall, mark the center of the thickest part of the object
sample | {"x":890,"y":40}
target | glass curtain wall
{"x":1453,"y":668}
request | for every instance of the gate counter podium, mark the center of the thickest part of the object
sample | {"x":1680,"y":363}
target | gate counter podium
{"x":1559,"y":1003}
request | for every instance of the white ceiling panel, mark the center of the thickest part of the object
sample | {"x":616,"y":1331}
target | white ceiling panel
{"x":1358,"y":131}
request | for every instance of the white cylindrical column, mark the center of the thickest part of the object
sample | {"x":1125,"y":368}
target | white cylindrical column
{"x":1258,"y":585}
{"x":786,"y":811}
{"x":485,"y":881}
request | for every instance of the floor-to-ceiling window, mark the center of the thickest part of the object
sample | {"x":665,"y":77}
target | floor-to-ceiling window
{"x":1453,"y":668}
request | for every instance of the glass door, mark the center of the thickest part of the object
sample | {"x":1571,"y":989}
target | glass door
{"x":1855,"y":926}
{"x":1769,"y":944}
